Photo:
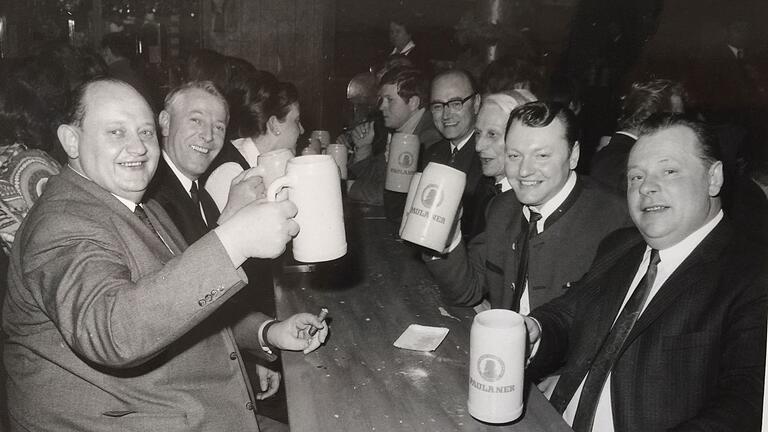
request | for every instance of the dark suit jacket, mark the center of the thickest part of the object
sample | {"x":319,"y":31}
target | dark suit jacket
{"x":695,"y":358}
{"x":609,"y":165}
{"x":561,"y":254}
{"x":468,"y":161}
{"x":111,"y":328}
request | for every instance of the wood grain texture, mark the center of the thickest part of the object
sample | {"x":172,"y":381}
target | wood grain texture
{"x":359,"y":381}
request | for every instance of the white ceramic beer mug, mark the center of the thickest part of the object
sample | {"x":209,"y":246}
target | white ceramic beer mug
{"x":434,"y":206}
{"x":313,"y":185}
{"x":339,"y":154}
{"x":271,"y":165}
{"x":409,"y":200}
{"x":402,"y":161}
{"x":496,"y":366}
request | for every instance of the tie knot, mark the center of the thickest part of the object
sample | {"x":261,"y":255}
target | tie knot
{"x":534,"y":217}
{"x":655,"y":258}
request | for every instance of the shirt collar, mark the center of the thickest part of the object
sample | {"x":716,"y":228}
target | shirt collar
{"x":505,"y":186}
{"x":186,"y":183}
{"x":128,"y":203}
{"x":550,"y":206}
{"x":410,"y":125}
{"x":734,"y":50}
{"x":461,"y":143}
{"x":674,"y":255}
{"x":629,"y":134}
{"x":248,"y":149}
{"x":406,"y":49}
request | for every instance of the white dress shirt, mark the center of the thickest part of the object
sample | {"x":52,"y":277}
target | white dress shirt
{"x":220,"y":180}
{"x":186,"y":182}
{"x":671,"y":258}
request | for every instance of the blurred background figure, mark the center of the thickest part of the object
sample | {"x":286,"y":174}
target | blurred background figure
{"x":118,"y":52}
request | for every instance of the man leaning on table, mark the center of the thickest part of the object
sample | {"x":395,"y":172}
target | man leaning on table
{"x":513,"y":263}
{"x":667,"y":330}
{"x":111,"y":319}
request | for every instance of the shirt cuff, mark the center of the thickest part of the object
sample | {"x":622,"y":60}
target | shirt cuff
{"x":263,"y":341}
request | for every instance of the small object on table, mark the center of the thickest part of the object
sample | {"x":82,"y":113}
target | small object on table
{"x":421,"y":338}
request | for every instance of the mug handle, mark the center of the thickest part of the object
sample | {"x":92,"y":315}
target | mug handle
{"x":277,"y":186}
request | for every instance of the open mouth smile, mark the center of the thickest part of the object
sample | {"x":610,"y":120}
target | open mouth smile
{"x":199,"y":149}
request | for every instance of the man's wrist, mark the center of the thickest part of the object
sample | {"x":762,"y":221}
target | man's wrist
{"x":264,"y":342}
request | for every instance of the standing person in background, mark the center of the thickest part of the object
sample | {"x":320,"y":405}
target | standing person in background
{"x":106,"y":300}
{"x":117,"y":50}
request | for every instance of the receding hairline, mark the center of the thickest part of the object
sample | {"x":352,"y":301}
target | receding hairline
{"x":90,"y":88}
{"x":462,"y":76}
{"x":173,"y":101}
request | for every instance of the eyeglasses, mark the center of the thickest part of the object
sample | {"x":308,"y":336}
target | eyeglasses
{"x":454,"y":105}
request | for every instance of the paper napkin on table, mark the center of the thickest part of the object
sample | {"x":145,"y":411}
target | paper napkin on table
{"x":421,"y":338}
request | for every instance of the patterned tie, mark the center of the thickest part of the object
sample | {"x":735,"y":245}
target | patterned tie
{"x":454,"y":150}
{"x":522,"y":268}
{"x":142,"y":214}
{"x":608,"y":353}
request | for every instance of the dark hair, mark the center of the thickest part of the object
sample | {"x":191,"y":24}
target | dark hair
{"x":410,"y":82}
{"x":23,"y":117}
{"x":646,"y":98}
{"x":263,"y":99}
{"x":119,"y":43}
{"x":391,"y":62}
{"x":403,"y":21}
{"x":709,"y":151}
{"x":458,"y":72}
{"x":207,"y":65}
{"x":541,"y":114}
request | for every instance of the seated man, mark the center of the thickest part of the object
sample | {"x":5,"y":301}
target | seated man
{"x":667,"y":330}
{"x":541,"y":237}
{"x":403,"y":96}
{"x":113,"y":323}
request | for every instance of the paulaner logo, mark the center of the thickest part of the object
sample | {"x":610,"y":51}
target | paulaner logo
{"x":431,"y":196}
{"x":491,"y":368}
{"x":405,"y":160}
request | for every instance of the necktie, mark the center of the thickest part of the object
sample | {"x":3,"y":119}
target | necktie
{"x":209,"y":209}
{"x":454,"y":150}
{"x":497,"y":189}
{"x":608,"y":352}
{"x":142,"y":215}
{"x":522,"y":268}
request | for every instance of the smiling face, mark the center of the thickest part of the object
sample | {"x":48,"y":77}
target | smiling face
{"x":395,"y":109}
{"x":671,"y":192}
{"x":490,"y":126}
{"x":454,"y":124}
{"x":194,"y":128}
{"x":116,"y":145}
{"x":538,"y":161}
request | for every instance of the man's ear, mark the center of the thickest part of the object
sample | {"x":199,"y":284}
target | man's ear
{"x":715,"y":174}
{"x":413,"y":103}
{"x":573,"y":160}
{"x":165,"y":120}
{"x":476,"y":103}
{"x":69,"y":137}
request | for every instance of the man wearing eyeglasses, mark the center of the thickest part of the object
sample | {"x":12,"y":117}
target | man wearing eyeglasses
{"x":454,"y":104}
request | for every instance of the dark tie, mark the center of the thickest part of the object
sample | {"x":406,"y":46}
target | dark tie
{"x":609,"y":351}
{"x":454,"y":150}
{"x":201,"y":197}
{"x":523,"y":247}
{"x":497,"y":188}
{"x":139,"y":211}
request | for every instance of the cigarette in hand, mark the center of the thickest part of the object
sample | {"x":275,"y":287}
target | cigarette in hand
{"x":320,"y":317}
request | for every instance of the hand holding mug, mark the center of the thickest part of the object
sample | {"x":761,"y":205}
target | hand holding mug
{"x":243,"y":190}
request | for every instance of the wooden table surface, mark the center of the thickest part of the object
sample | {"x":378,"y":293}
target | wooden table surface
{"x":359,"y":381}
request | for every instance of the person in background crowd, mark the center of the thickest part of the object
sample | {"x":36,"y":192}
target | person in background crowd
{"x":490,"y":128}
{"x":540,"y":238}
{"x":667,"y":330}
{"x":118,"y":50}
{"x":106,"y":300}
{"x":643,"y":100}
{"x":454,"y":103}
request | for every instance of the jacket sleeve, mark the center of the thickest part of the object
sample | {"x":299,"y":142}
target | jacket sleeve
{"x":461,"y":274}
{"x":111,"y":310}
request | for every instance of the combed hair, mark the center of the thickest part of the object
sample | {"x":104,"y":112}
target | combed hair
{"x":646,"y":98}
{"x":206,"y":86}
{"x":541,"y":114}
{"x":410,"y":82}
{"x":262,"y":100}
{"x":709,"y":151}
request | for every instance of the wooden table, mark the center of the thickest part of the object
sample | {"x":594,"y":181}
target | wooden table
{"x":359,"y":381}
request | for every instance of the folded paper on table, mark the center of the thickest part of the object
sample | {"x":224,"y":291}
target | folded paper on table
{"x":421,"y":338}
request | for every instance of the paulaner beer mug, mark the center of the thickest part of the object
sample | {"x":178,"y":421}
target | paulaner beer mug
{"x":434,"y":206}
{"x":402,"y":162}
{"x":496,"y":366}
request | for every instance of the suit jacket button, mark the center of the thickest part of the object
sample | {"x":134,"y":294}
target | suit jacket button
{"x":249,"y":406}
{"x":233,"y":355}
{"x":208,"y":297}
{"x":201,"y":302}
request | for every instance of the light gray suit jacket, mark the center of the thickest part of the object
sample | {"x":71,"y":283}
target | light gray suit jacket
{"x":111,"y":328}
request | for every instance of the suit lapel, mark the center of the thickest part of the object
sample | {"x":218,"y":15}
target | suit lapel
{"x":682,"y":279}
{"x":512,"y":258}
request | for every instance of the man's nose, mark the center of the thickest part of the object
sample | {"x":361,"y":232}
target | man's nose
{"x":136,"y":146}
{"x":649,"y":186}
{"x":526,"y":167}
{"x":206,"y":133}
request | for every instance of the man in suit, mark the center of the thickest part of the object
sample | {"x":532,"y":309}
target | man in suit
{"x":403,"y":95}
{"x":193,"y":125}
{"x":609,"y":164}
{"x":519,"y":265}
{"x":454,"y":104}
{"x":667,"y":330}
{"x":113,"y":323}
